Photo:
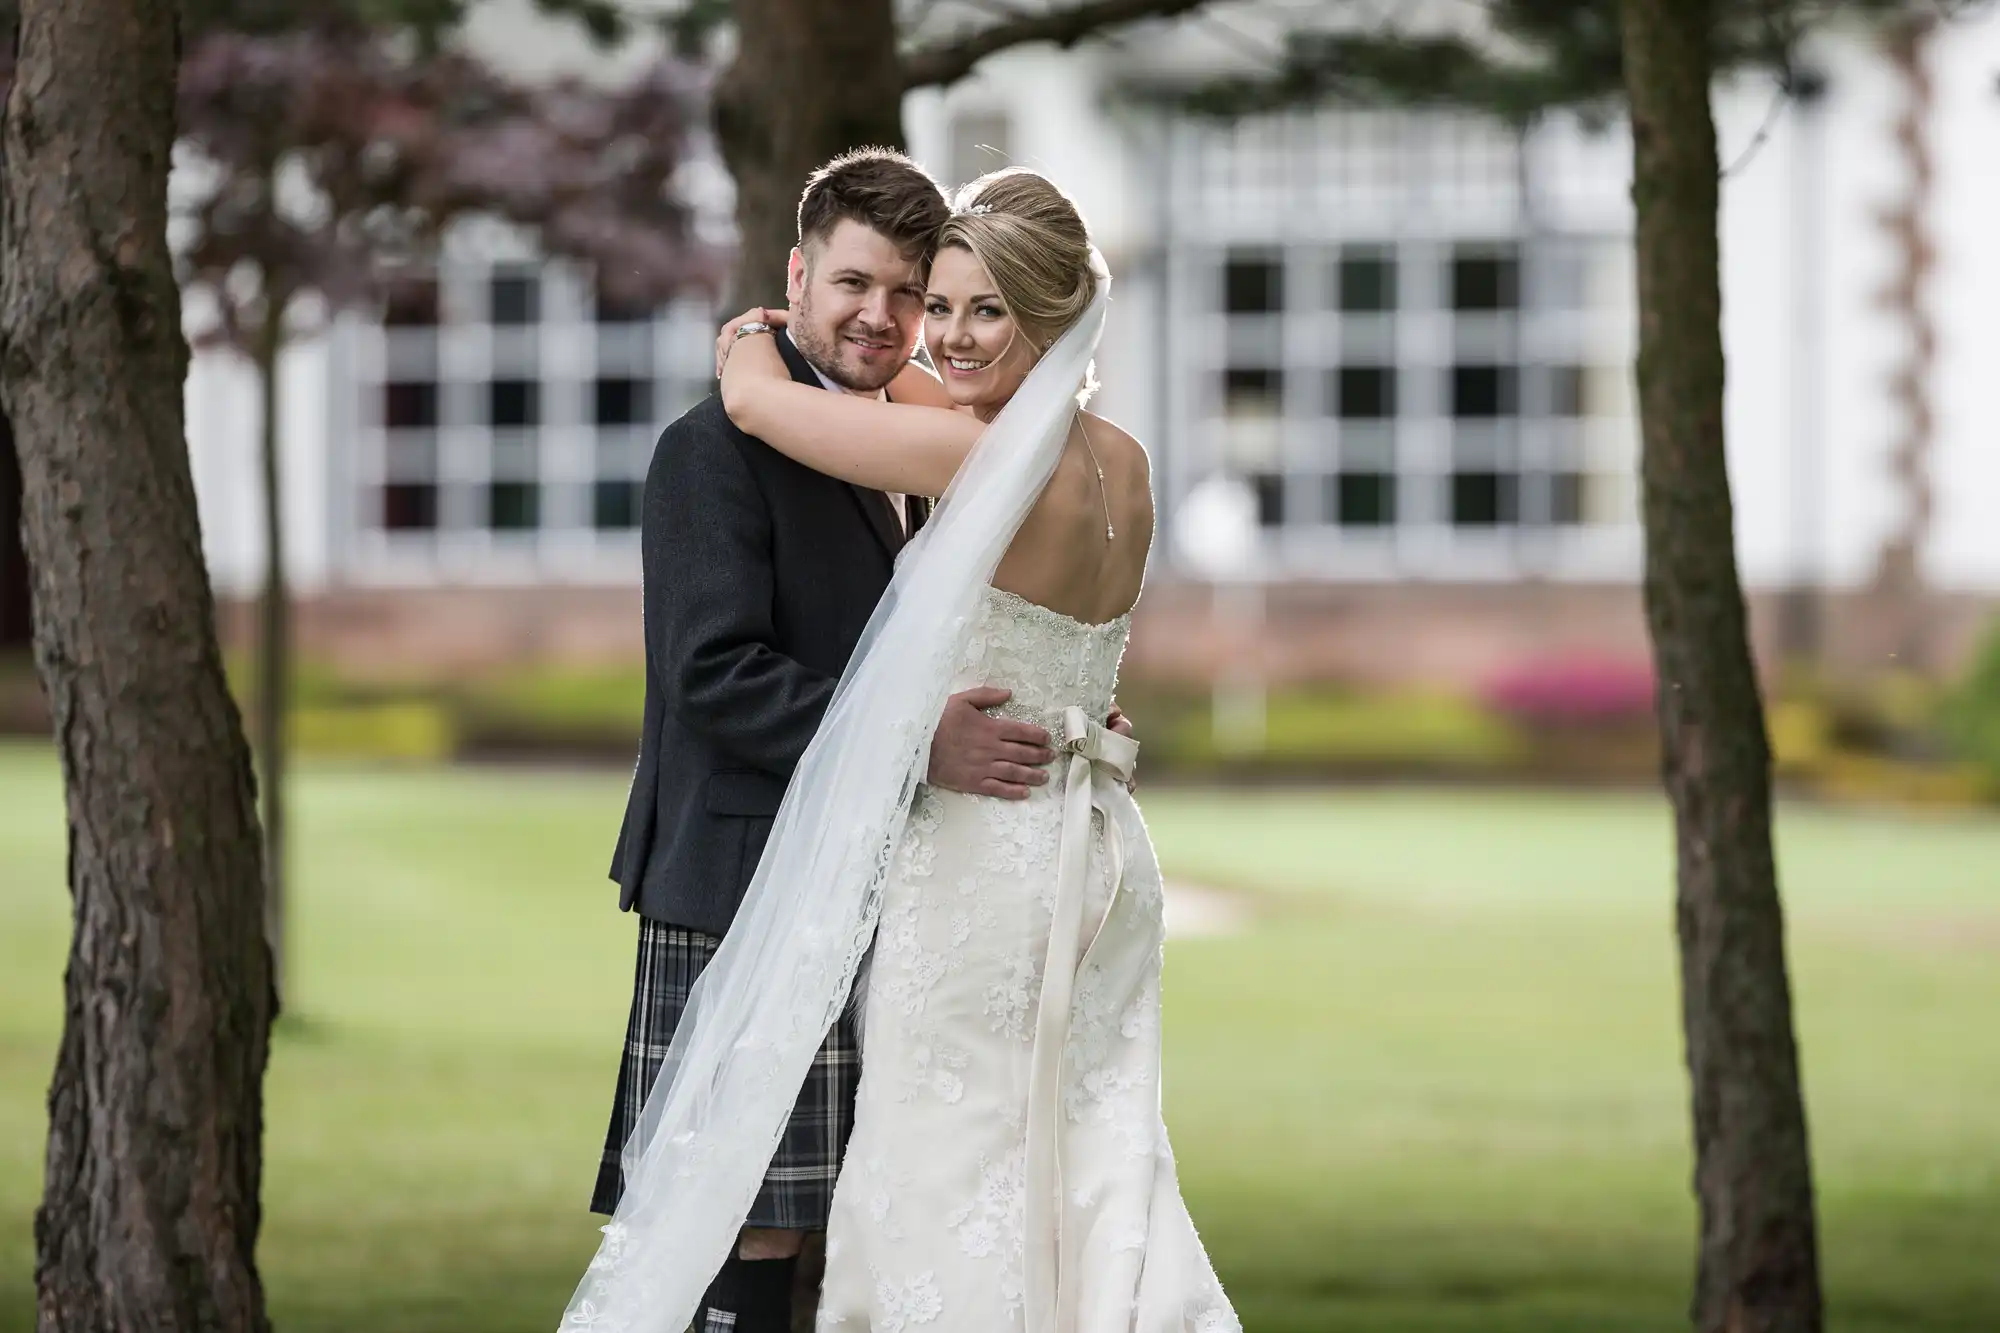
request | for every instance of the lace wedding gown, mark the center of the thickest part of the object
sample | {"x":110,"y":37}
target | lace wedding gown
{"x":1009,"y":1170}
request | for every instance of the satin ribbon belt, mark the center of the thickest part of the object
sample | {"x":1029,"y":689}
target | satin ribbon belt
{"x":1097,"y":757}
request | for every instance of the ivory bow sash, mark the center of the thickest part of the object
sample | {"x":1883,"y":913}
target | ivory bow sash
{"x":1097,"y":756}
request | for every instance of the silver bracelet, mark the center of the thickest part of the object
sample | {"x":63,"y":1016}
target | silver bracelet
{"x":744,"y":330}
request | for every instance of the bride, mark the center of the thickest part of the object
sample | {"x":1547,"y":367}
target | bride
{"x":1009,"y":1170}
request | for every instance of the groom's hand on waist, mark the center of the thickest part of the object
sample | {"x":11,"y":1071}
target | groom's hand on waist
{"x":982,"y":755}
{"x":1118,"y":722}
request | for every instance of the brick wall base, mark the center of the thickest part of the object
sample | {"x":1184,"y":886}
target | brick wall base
{"x":1428,"y":634}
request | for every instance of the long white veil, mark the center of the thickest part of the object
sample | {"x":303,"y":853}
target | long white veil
{"x":787,"y":966}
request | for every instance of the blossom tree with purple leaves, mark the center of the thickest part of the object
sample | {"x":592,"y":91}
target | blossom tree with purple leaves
{"x":322,"y":168}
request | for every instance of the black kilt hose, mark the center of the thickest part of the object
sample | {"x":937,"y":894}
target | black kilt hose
{"x":797,"y":1194}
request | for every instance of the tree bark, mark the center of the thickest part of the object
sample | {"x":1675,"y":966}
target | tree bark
{"x":150,"y":1209}
{"x":949,"y":61}
{"x":274,"y":648}
{"x":15,"y":627}
{"x":1758,"y":1270}
{"x":811,"y":79}
{"x":1898,"y":588}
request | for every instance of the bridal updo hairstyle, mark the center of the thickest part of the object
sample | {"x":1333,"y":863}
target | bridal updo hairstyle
{"x":1032,"y":243}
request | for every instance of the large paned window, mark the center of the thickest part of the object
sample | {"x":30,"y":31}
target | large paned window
{"x":504,"y":416}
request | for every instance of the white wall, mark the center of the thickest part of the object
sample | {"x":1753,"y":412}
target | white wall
{"x":1760,"y":212}
{"x":1812,"y":348}
{"x":1863,"y":342}
{"x":512,"y":34}
{"x":1965,"y":296}
{"x":223,"y":424}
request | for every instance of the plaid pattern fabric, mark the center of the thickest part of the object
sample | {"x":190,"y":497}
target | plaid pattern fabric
{"x":798,"y":1189}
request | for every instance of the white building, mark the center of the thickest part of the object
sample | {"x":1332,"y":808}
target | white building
{"x":1409,"y":334}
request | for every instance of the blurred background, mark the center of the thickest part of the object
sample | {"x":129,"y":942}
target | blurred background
{"x":1390,"y":674}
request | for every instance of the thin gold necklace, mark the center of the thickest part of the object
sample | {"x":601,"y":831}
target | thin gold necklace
{"x":1103,"y":492}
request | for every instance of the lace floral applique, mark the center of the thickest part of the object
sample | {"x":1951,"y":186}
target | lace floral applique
{"x":1124,"y":1237}
{"x":1104,"y":1075}
{"x":906,"y":972}
{"x":1142,"y":874}
{"x":901,"y":929}
{"x":916,"y":1301}
{"x":916,"y":856}
{"x":883,"y":1184}
{"x":587,"y":1318}
{"x":984,"y":918}
{"x":936,"y":1069}
{"x":1021,"y":837}
{"x":926,"y":812}
{"x":1212,"y":1316}
{"x":908,"y":986}
{"x":616,"y":1234}
{"x":1011,"y":1000}
{"x":1090,"y":1020}
{"x":993,"y":1224}
{"x":1141,"y":1021}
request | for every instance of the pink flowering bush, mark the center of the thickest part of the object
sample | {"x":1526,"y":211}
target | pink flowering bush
{"x":1580,"y":690}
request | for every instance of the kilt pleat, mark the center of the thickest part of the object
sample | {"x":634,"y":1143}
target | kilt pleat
{"x":797,"y":1193}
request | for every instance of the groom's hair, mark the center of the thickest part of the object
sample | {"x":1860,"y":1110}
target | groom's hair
{"x":882,"y":190}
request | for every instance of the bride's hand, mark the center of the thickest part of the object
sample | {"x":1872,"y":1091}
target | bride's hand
{"x":757,"y":314}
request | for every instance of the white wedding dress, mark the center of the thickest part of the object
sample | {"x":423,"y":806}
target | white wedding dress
{"x":1009,"y":1170}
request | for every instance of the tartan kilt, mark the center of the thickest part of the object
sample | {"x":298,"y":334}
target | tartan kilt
{"x":797,"y":1194}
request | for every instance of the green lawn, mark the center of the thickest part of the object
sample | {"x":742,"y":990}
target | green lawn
{"x":1437,"y":1089}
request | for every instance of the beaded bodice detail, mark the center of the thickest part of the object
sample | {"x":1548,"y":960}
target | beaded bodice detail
{"x":1048,"y":660}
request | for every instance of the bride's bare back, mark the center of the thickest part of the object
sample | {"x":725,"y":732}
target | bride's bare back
{"x":1061,"y":557}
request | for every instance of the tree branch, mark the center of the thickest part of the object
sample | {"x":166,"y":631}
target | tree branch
{"x":949,"y":61}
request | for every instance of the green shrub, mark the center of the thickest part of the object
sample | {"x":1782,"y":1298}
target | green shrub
{"x":313,"y":684}
{"x":593,"y":700}
{"x":1339,"y":729}
{"x":409,"y":731}
{"x":1971,"y":712}
{"x":584,"y":713}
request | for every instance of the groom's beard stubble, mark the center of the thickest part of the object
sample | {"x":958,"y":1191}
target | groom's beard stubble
{"x":822,"y":350}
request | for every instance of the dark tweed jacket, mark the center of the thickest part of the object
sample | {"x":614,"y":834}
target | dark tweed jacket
{"x":760,"y":575}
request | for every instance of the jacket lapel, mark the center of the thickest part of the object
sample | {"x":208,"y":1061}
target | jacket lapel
{"x":875,"y":506}
{"x":881,"y":517}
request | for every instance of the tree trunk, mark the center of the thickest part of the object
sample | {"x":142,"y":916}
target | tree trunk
{"x":811,"y":79}
{"x":1758,"y":1270}
{"x":274,"y":650}
{"x":15,"y":629}
{"x":1898,"y":591}
{"x":150,"y":1207}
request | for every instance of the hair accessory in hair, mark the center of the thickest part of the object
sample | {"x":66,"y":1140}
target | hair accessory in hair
{"x":978,"y":209}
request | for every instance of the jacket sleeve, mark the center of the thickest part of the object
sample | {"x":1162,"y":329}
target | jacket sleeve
{"x":708,"y":590}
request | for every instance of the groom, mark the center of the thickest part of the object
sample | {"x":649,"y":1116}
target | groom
{"x":760,"y":576}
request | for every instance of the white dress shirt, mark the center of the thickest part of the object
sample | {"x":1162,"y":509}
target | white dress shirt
{"x":897,"y":502}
